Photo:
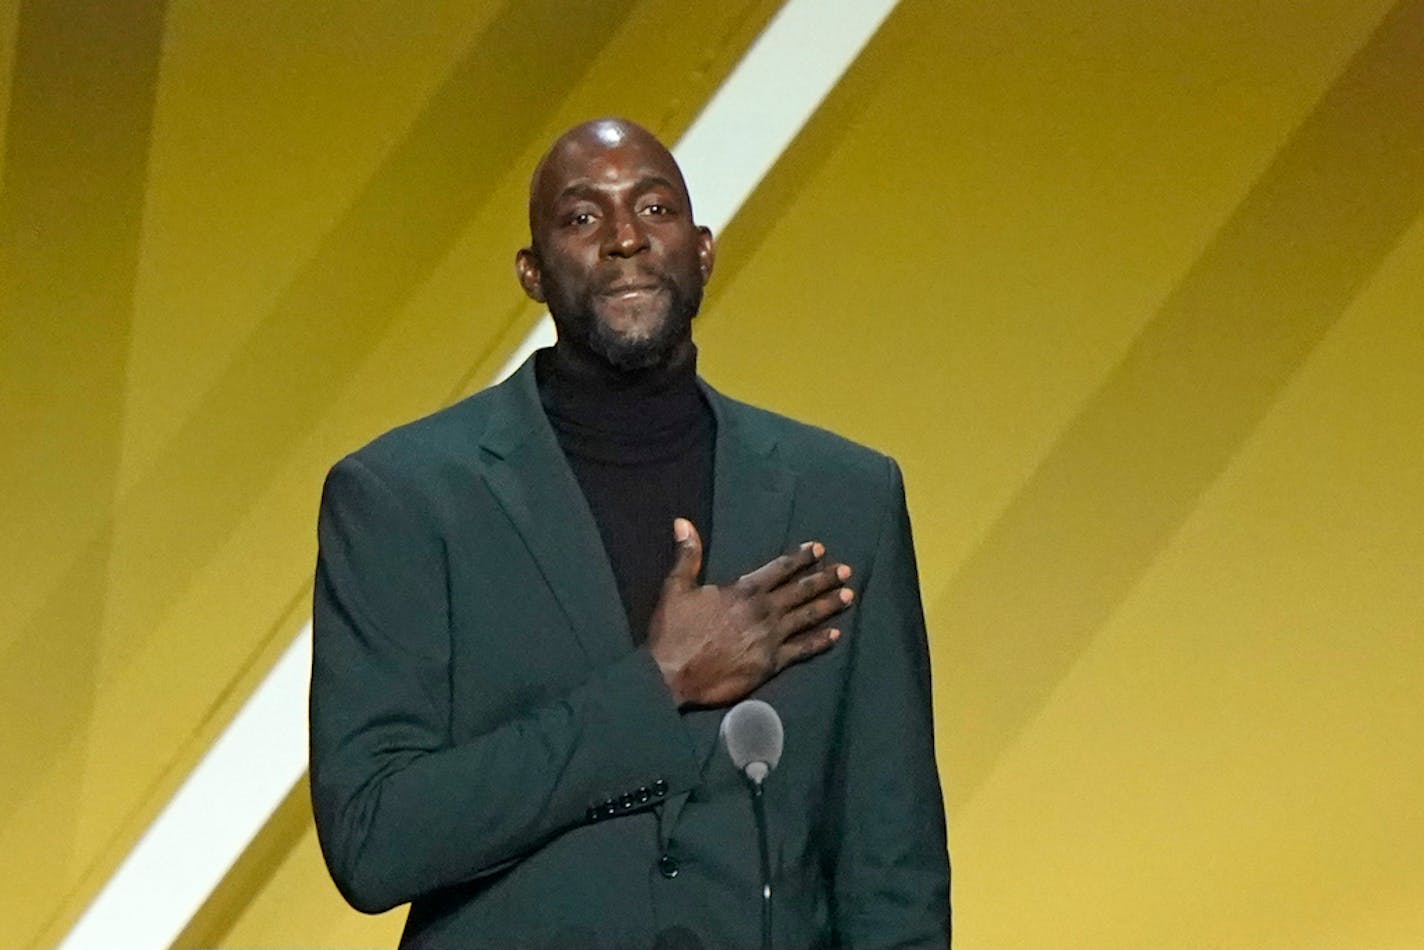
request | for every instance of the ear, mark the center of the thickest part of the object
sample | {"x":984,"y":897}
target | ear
{"x":706,"y":251}
{"x":526,"y":268}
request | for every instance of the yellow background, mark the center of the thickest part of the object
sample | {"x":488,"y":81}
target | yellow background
{"x":1134,"y":290}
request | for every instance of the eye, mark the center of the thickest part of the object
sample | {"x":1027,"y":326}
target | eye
{"x":657,"y":208}
{"x":579,"y":218}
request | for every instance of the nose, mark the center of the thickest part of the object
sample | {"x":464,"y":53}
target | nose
{"x":625,"y":235}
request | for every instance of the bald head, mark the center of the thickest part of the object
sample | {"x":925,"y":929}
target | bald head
{"x":613,"y":250}
{"x":568,"y":160}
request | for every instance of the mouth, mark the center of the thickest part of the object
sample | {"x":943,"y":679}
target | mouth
{"x":629,"y":290}
{"x":632,"y":282}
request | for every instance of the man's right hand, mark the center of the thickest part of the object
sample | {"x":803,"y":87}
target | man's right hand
{"x":715,"y":644}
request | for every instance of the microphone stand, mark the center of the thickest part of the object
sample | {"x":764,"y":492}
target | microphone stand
{"x":757,"y":771}
{"x":754,"y":735}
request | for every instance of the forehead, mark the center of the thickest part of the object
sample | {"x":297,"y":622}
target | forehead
{"x":604,"y":161}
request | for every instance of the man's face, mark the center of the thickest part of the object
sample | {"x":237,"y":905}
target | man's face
{"x":616,"y":254}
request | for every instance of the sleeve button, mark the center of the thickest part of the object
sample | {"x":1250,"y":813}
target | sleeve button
{"x":660,"y":788}
{"x":667,"y":866}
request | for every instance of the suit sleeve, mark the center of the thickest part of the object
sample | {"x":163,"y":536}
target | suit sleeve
{"x":892,"y":868}
{"x":400,"y":809}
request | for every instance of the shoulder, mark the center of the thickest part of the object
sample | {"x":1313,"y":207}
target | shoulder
{"x":808,"y":449}
{"x":430,"y":450}
{"x":450,"y":430}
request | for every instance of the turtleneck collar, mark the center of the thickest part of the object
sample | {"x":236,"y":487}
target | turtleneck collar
{"x":623,"y":417}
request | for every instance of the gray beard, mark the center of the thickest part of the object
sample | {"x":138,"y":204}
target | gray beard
{"x":628,"y":354}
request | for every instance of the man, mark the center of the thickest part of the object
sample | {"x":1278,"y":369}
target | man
{"x":533,"y":608}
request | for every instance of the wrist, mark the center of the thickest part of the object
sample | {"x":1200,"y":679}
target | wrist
{"x":671,"y":674}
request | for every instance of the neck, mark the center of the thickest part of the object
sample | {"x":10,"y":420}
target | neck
{"x":583,"y":392}
{"x":578,"y":361}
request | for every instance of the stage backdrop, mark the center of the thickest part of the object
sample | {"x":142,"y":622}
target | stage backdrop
{"x":1134,"y":291}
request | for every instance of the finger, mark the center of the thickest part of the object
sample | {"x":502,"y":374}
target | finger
{"x":688,"y":561}
{"x":814,"y":613}
{"x":774,"y":573}
{"x":810,"y":584}
{"x":805,"y":646}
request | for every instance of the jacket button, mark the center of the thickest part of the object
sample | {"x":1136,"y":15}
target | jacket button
{"x":667,"y":866}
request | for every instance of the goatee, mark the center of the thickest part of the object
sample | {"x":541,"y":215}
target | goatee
{"x":632,"y":353}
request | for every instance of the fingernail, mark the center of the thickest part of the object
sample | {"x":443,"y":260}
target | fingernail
{"x":843,"y":572}
{"x":834,"y":634}
{"x":680,"y":529}
{"x":847,"y":595}
{"x":818,"y":549}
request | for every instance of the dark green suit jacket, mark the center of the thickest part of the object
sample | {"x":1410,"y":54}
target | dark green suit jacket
{"x":487,"y":744}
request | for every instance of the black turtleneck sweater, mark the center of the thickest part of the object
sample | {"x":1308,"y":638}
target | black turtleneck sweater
{"x":640,"y":445}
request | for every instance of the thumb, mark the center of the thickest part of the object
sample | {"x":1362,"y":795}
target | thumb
{"x":689,"y":554}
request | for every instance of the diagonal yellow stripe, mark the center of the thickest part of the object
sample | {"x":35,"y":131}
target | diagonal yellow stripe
{"x":1196,"y":382}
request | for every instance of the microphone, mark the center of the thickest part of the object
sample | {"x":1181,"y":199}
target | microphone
{"x":753,"y":735}
{"x":752,"y":732}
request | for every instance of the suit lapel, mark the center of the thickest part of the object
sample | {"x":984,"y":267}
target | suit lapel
{"x":751,"y":515}
{"x":751,"y":495}
{"x":530,"y":477}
